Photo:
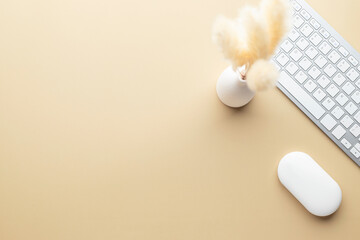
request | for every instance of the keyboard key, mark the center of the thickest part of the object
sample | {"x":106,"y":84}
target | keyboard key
{"x":282,"y":59}
{"x":287,"y":45}
{"x":301,"y":77}
{"x":305,"y":63}
{"x":328,"y":103}
{"x":302,"y":43}
{"x":351,"y":108}
{"x":353,"y":61}
{"x":355,"y":152}
{"x":306,"y":30}
{"x":347,"y":121}
{"x":323,"y":81}
{"x":311,"y":52}
{"x":337,"y":112}
{"x":298,"y":21}
{"x":343,"y":51}
{"x":356,"y":97}
{"x":346,"y":143}
{"x":333,"y":42}
{"x":291,"y":68}
{"x":357,"y":146}
{"x":339,"y":79}
{"x":343,"y":65}
{"x":316,"y":39}
{"x":301,"y":96}
{"x":334,"y":56}
{"x":328,"y":122}
{"x":293,"y":35}
{"x":325,"y":33}
{"x":310,"y":85}
{"x":314,"y":72}
{"x":358,"y":83}
{"x":348,"y":88}
{"x":330,"y":70}
{"x":338,"y":132}
{"x":315,"y":24}
{"x":295,"y":54}
{"x":357,"y":117}
{"x":320,"y":61}
{"x":355,"y":130}
{"x":341,"y":99}
{"x":296,"y":6}
{"x":305,"y":14}
{"x":325,"y":47}
{"x":332,"y":90}
{"x":352,"y":74}
{"x":319,"y":94}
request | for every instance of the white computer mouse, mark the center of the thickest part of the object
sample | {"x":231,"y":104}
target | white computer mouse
{"x":314,"y":188}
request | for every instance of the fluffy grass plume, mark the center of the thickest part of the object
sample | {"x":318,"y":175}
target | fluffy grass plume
{"x":262,"y":75}
{"x":256,"y":37}
{"x":227,"y":34}
{"x":277,"y":19}
{"x":251,"y":39}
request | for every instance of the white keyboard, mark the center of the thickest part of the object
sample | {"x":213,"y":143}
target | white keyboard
{"x":319,"y":72}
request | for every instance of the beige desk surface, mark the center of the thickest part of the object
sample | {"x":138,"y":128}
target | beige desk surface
{"x":110,"y":128}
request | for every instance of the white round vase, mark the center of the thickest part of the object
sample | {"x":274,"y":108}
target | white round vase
{"x":232,"y":90}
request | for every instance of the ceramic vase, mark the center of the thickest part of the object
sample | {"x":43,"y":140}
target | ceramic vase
{"x":232,"y":90}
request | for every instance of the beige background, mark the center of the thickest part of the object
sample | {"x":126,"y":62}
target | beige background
{"x":110,"y":128}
